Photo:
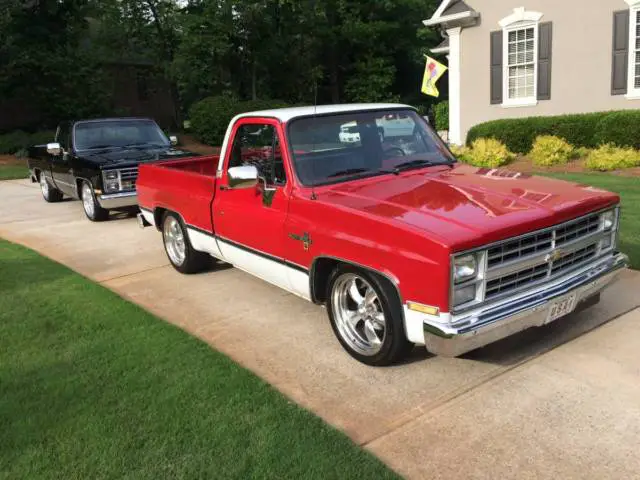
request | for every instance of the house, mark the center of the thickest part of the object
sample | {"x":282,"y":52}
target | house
{"x":522,"y":58}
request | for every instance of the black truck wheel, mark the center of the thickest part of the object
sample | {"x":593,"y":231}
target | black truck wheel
{"x":92,"y":209}
{"x":49,"y":193}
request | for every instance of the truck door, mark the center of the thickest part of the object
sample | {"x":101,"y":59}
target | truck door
{"x":249,"y":222}
{"x":61,"y":164}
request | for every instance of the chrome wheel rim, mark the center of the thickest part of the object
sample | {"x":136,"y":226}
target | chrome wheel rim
{"x":87,"y":200}
{"x":44,"y":186}
{"x":174,"y":241}
{"x":358,"y":314}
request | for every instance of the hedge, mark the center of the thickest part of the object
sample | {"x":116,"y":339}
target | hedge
{"x":441,"y":114}
{"x":587,"y":130}
{"x":17,"y":140}
{"x":210,"y":117}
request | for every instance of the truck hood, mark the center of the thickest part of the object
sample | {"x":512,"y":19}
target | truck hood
{"x":464,"y":207}
{"x":133,"y":156}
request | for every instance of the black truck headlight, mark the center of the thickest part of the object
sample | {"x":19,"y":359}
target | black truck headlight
{"x":111,"y":181}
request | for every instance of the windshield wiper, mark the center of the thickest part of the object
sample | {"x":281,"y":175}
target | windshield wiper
{"x":103,"y":147}
{"x":418,"y":164}
{"x":142,"y":144}
{"x":348,"y":171}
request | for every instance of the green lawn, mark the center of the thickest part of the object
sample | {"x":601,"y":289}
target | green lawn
{"x":9,"y":172}
{"x":92,"y":386}
{"x":629,"y":190}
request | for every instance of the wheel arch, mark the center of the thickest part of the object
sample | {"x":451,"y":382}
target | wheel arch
{"x":322,"y":267}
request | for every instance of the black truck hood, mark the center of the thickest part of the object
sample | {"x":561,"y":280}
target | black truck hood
{"x":133,"y":156}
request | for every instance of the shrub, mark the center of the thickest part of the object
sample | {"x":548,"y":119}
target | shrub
{"x":13,"y":141}
{"x":485,"y":152}
{"x":609,"y":157}
{"x":587,"y":130}
{"x":548,"y":150}
{"x":620,"y":128}
{"x":210,"y":117}
{"x":519,"y":134}
{"x":441,"y":114}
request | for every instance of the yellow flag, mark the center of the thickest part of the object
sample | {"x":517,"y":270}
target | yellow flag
{"x":433,"y":70}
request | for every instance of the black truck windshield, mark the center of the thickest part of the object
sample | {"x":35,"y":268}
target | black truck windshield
{"x":118,"y":133}
{"x":343,"y":146}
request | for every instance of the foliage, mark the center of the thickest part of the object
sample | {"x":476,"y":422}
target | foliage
{"x":441,"y":115}
{"x":485,"y":152}
{"x":620,"y":128}
{"x":116,"y":392}
{"x":610,"y":157}
{"x":372,"y":81}
{"x":519,"y":134}
{"x":17,"y":140}
{"x":549,"y":150}
{"x":588,"y":130}
{"x":210,"y":117}
{"x":629,"y":190}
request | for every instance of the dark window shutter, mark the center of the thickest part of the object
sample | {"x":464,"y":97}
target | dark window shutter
{"x":496,"y":67}
{"x":545,"y":31}
{"x":620,"y":65}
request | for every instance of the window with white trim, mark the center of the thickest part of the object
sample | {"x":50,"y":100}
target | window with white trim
{"x":634,"y":49}
{"x":521,"y":63}
{"x":520,"y":57}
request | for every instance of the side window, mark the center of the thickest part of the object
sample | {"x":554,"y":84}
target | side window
{"x":258,"y":145}
{"x":63,"y":136}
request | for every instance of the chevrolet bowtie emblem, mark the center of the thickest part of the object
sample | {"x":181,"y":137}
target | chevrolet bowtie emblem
{"x":554,"y":256}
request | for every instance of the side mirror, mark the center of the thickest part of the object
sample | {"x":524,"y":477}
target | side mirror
{"x":173,"y":139}
{"x":245,"y":176}
{"x":54,"y":149}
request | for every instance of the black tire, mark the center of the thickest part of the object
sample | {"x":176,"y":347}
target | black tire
{"x":395,"y":345}
{"x":95,"y":213}
{"x":50,"y":193}
{"x":193,"y":261}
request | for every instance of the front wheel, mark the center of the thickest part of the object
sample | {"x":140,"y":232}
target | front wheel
{"x":92,"y":209}
{"x":179,"y":250}
{"x":366,"y":316}
{"x":49,"y":193}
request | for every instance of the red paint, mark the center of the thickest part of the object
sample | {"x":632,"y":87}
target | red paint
{"x":405,"y":226}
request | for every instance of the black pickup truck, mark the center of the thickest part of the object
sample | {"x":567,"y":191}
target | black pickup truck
{"x":97,"y":161}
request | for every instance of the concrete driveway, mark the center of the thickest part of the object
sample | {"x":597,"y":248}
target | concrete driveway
{"x":553,"y":402}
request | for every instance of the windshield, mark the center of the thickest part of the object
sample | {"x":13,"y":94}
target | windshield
{"x":118,"y":133}
{"x":334,"y":148}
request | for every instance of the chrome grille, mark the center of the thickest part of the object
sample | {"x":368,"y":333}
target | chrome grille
{"x":525,"y":261}
{"x":514,"y":249}
{"x":128,"y":177}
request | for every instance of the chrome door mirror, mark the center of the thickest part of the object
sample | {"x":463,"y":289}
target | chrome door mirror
{"x":245,"y":176}
{"x":54,"y":149}
{"x":173,"y":139}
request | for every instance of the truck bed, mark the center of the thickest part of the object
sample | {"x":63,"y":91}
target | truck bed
{"x":186,"y":186}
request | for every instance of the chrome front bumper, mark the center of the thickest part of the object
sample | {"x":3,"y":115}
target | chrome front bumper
{"x":118,"y":200}
{"x":530,"y":309}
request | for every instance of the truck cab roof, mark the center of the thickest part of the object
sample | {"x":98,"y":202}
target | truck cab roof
{"x":286,"y":114}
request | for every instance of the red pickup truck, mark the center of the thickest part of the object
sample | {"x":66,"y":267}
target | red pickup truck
{"x":401,"y":243}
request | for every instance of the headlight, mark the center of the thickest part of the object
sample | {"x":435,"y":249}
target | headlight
{"x":465,"y":268}
{"x":111,"y":181}
{"x":608,"y":219}
{"x":464,"y":294}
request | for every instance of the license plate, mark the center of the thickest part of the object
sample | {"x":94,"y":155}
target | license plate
{"x":561,"y":307}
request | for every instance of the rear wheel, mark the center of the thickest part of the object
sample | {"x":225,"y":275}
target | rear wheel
{"x":178,"y":247}
{"x":49,"y":193}
{"x":366,"y":316}
{"x":92,"y":209}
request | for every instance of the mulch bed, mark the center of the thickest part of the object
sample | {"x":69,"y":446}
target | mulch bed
{"x":525,"y":165}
